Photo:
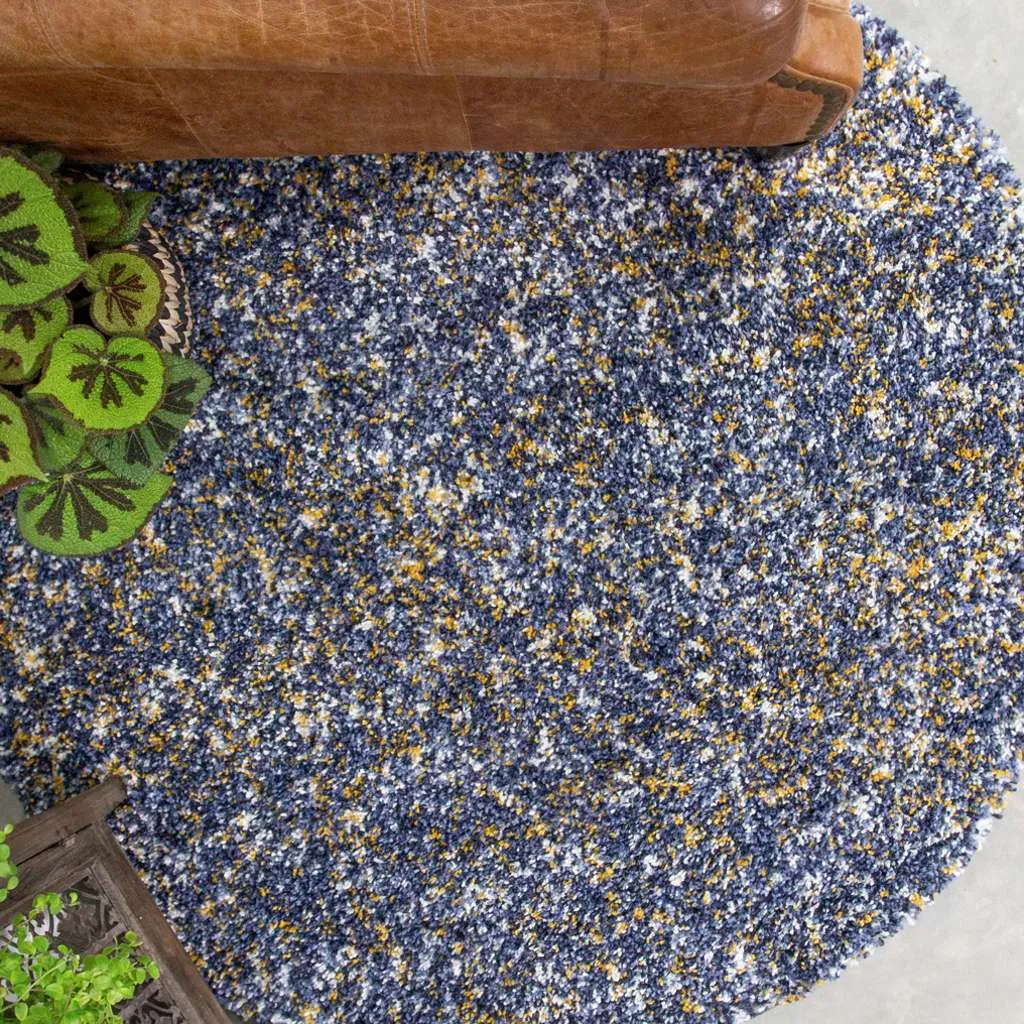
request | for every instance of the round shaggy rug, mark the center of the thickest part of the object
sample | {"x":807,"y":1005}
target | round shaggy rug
{"x":592,"y":590}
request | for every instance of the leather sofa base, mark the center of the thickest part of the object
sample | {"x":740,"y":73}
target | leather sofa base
{"x":112,"y":114}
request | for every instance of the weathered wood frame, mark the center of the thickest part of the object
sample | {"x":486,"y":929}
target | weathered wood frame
{"x":55,"y":849}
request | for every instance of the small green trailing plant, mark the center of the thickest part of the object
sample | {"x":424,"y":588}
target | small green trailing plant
{"x":45,"y":984}
{"x":95,"y":387}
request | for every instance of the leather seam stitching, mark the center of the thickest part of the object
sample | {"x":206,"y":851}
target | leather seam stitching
{"x":462,"y":109}
{"x":834,"y":98}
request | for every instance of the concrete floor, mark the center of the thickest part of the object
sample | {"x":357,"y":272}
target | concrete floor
{"x":961,"y":962}
{"x":10,"y":806}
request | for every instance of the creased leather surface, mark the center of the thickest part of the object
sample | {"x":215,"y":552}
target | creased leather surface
{"x":828,"y":61}
{"x":93,"y":114}
{"x":241,"y":113}
{"x":681,"y":42}
{"x":173,"y":105}
{"x":830,"y":46}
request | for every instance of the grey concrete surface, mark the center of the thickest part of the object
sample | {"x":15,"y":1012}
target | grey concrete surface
{"x":962,"y":962}
{"x":11,"y":811}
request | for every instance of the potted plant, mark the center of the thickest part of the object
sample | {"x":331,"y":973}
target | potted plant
{"x":95,"y":385}
{"x":82,"y":942}
{"x":46,"y":983}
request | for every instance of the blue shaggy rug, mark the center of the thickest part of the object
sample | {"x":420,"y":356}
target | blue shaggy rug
{"x":592,"y":590}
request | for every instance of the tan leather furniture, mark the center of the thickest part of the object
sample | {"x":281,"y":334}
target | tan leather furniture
{"x":151,"y":79}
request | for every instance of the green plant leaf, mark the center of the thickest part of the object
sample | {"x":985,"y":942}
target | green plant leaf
{"x":18,"y":463}
{"x":57,"y":985}
{"x":138,"y":206}
{"x":45,"y":157}
{"x":106,"y":384}
{"x":100,"y":210}
{"x":128,"y":292}
{"x":42,"y":252}
{"x":137,"y":453}
{"x":61,"y":438}
{"x":25,"y":335}
{"x":86,"y":509}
